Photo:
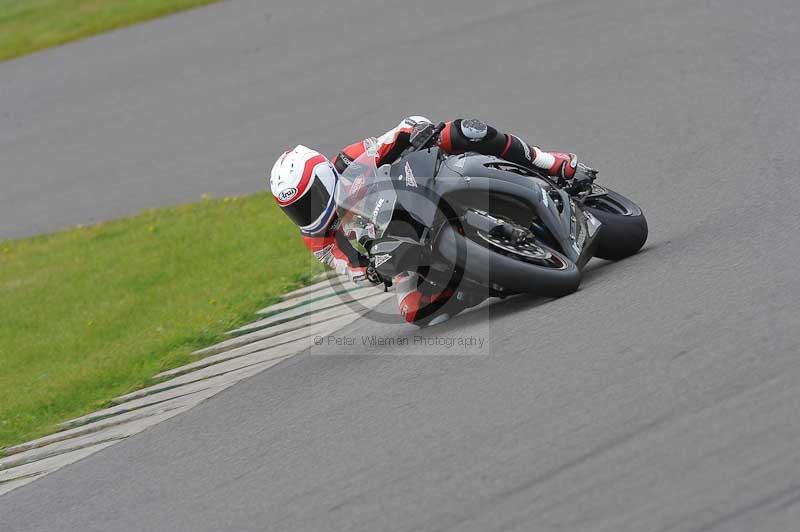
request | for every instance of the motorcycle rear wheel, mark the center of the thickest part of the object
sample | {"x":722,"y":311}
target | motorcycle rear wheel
{"x":624,"y":229}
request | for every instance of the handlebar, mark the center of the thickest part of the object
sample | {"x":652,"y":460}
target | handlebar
{"x":423,"y":137}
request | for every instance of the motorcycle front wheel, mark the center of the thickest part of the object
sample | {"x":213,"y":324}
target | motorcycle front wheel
{"x":533,"y":269}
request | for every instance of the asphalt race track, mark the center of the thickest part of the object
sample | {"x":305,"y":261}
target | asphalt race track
{"x":663,"y":396}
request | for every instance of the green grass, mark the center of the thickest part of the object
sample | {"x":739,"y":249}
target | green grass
{"x":30,"y":25}
{"x":93,"y":312}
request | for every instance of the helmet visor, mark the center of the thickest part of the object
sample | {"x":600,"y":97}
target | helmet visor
{"x":311,"y":205}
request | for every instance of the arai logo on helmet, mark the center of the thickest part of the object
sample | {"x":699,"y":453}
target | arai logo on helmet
{"x":287,"y":194}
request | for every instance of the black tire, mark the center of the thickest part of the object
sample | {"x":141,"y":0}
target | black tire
{"x":487,"y":267}
{"x":624,"y":229}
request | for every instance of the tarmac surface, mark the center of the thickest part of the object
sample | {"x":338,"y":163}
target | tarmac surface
{"x":662,"y":396}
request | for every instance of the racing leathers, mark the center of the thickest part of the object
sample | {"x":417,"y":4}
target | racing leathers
{"x":419,"y":302}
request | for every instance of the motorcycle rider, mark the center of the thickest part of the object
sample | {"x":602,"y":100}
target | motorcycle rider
{"x":303,"y":183}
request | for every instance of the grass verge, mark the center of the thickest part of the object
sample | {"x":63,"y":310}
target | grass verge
{"x":30,"y":25}
{"x":93,"y":312}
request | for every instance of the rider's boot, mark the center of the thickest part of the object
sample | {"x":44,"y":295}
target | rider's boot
{"x":556,"y":164}
{"x":575,"y":177}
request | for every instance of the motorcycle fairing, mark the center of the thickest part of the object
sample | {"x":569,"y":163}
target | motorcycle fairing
{"x":484,"y":184}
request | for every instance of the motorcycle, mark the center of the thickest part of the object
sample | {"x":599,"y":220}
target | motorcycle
{"x":490,"y":226}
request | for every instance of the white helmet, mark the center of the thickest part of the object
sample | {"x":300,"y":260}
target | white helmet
{"x":303,"y":183}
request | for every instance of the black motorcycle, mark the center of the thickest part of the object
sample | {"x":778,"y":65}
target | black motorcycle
{"x":491,"y":226}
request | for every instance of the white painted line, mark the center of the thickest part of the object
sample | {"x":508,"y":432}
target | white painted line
{"x":271,"y":356}
{"x":116,"y":432}
{"x":11,"y":479}
{"x":95,"y":426}
{"x":334,"y":282}
{"x":321,"y":329}
{"x":306,"y":310}
{"x":167,"y":395}
{"x":304,"y":321}
{"x":289,"y":304}
{"x":307,"y":290}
